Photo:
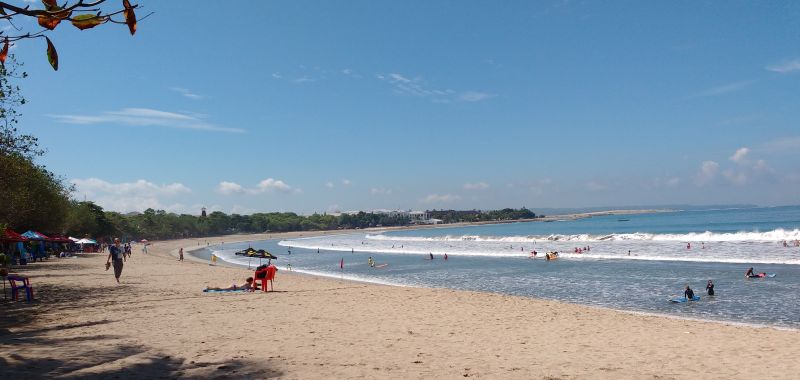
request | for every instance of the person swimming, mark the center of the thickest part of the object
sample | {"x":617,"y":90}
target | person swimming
{"x":688,"y":293}
{"x":710,"y":288}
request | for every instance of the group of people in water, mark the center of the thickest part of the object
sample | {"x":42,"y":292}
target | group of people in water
{"x":689,"y":293}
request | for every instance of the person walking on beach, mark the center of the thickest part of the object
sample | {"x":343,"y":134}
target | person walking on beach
{"x":180,"y":254}
{"x":117,"y":254}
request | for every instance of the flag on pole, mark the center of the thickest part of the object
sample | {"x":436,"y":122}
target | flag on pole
{"x":341,"y":263}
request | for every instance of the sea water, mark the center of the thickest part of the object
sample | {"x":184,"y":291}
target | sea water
{"x":633,"y":262}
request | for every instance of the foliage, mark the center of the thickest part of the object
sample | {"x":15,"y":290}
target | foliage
{"x":33,"y":197}
{"x":11,"y":141}
{"x":83,"y":15}
{"x":454,"y":216}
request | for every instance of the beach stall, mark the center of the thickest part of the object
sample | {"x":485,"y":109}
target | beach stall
{"x":12,"y":243}
{"x":87,"y":245}
{"x":37,"y":244}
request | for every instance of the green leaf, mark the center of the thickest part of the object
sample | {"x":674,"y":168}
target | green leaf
{"x":52,"y":54}
{"x":87,"y":21}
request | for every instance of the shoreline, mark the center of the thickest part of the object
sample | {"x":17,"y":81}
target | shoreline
{"x":193,"y":253}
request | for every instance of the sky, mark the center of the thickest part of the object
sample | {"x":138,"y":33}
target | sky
{"x":258,"y":106}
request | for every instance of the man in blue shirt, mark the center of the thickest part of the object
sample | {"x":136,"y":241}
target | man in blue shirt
{"x":117,"y":254}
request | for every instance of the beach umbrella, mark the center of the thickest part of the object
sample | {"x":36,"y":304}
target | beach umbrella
{"x":260,"y":254}
{"x":143,"y":241}
{"x":86,"y":241}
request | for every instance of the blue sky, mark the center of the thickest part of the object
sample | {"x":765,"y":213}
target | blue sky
{"x":322,"y":106}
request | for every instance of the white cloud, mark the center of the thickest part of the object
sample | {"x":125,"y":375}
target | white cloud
{"x":277,"y":75}
{"x":735,"y":177}
{"x":145,"y":117}
{"x":596,"y":186}
{"x":785,"y":66}
{"x":304,"y":79}
{"x":347,"y":72}
{"x":672,"y":182}
{"x":740,"y":156}
{"x":346,"y":182}
{"x":476,"y":186}
{"x":474,"y":96}
{"x":130,"y":196}
{"x":226,"y":188}
{"x":436,"y":198}
{"x":271,"y":184}
{"x":402,"y":84}
{"x":329,"y":185}
{"x":265,"y":186}
{"x":708,"y":170}
{"x":539,"y":186}
{"x":185,"y":92}
{"x":380,"y":191}
{"x":724,"y":89}
{"x":399,"y":78}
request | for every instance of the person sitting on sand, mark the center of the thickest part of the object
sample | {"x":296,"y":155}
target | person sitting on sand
{"x":248,"y":285}
{"x":710,"y":288}
{"x":688,"y":293}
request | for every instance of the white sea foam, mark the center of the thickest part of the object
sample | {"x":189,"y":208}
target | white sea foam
{"x":707,"y":236}
{"x":740,"y":247}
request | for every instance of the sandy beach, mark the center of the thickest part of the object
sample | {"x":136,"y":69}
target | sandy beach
{"x":159,"y":324}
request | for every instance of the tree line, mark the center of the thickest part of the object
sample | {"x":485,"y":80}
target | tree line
{"x":471,"y":216}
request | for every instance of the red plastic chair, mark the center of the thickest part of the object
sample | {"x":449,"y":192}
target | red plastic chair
{"x":26,"y":284}
{"x":266,"y":275}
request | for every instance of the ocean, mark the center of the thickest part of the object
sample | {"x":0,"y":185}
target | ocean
{"x":633,"y":263}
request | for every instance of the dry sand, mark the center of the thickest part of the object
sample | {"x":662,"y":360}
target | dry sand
{"x":158,"y":324}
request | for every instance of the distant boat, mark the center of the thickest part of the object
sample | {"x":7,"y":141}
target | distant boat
{"x":623,"y":220}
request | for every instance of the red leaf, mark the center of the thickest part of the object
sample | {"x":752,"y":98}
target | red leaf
{"x":52,"y":54}
{"x":48,"y":22}
{"x":4,"y":52}
{"x":130,"y":16}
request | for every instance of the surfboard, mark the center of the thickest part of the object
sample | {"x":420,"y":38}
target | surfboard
{"x":683,"y":299}
{"x":381,"y":265}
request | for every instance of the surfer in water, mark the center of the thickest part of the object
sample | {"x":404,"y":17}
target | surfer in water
{"x":710,"y":288}
{"x":751,"y":274}
{"x":688,"y":293}
{"x":431,"y":253}
{"x":371,"y":262}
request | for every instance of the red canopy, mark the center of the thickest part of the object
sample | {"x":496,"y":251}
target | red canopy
{"x":10,"y":235}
